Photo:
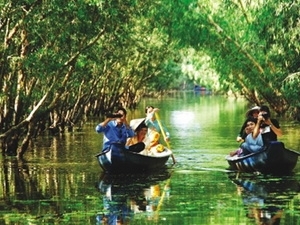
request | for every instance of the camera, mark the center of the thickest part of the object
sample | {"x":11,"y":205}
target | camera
{"x":114,"y":115}
{"x":265,"y":116}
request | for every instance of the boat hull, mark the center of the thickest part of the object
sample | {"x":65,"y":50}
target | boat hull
{"x":276,"y":159}
{"x":119,"y":160}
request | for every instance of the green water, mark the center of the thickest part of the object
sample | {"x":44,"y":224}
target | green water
{"x":60,"y":181}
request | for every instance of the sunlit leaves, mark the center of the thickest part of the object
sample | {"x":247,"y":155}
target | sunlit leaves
{"x":252,"y":44}
{"x":115,"y":47}
{"x":291,"y":88}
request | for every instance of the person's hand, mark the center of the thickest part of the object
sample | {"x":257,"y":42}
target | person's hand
{"x":155,"y":110}
{"x":106,"y":121}
{"x":268,"y":121}
{"x":239,"y":139}
{"x":125,"y":121}
{"x":152,"y":110}
{"x":260,"y":118}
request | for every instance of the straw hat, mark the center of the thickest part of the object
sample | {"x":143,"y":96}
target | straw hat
{"x":249,"y":112}
{"x":135,"y":123}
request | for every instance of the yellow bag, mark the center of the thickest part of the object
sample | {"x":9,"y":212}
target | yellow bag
{"x":154,"y":138}
{"x":160,"y":148}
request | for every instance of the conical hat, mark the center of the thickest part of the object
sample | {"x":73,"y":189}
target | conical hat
{"x":136,"y":122}
{"x":255,"y":108}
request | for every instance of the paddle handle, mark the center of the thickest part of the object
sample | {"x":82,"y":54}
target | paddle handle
{"x":161,"y":129}
{"x":164,"y":135}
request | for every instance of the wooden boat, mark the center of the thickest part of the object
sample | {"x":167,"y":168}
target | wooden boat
{"x":275,"y":159}
{"x":117,"y":159}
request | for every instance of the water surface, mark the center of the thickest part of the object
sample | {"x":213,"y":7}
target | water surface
{"x":60,"y":181}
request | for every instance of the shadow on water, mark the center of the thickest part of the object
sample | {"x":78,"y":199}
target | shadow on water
{"x":126,"y":195}
{"x":17,"y":183}
{"x":265,"y":198}
{"x":21,"y":192}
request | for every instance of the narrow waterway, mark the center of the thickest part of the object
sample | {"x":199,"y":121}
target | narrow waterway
{"x":60,"y":181}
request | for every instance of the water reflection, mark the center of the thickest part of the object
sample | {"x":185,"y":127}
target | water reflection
{"x":265,"y":198}
{"x":130,"y":194}
{"x":40,"y":194}
{"x":56,"y":184}
{"x":17,"y":182}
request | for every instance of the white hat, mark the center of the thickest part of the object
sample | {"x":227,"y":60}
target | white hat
{"x":255,"y":108}
{"x":136,"y":122}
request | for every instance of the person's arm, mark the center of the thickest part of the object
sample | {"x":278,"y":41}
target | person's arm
{"x":274,"y":126}
{"x":129,"y":130}
{"x":101,"y":126}
{"x":242,"y":135}
{"x":129,"y":141}
{"x":256,"y":130}
{"x":167,"y":133}
{"x":150,"y":117}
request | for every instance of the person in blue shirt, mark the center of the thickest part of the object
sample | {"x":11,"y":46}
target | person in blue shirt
{"x":115,"y":129}
{"x":253,"y":141}
{"x":253,"y":112}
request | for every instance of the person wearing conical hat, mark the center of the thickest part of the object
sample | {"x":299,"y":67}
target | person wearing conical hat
{"x":253,"y":112}
{"x":140,"y":129}
{"x":151,"y":140}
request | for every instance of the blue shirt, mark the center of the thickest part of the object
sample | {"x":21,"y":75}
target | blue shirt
{"x":114,"y":134}
{"x":252,"y":144}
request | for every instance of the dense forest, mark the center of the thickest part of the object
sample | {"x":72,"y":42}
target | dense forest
{"x":63,"y":61}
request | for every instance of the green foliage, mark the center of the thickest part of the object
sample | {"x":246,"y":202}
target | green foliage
{"x":96,"y":55}
{"x":146,"y":40}
{"x":252,"y":46}
{"x":291,"y":88}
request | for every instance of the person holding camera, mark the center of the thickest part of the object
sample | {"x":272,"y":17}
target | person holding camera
{"x":259,"y":132}
{"x":269,"y":127}
{"x":115,"y":128}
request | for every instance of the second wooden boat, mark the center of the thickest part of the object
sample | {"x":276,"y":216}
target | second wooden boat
{"x":275,"y":159}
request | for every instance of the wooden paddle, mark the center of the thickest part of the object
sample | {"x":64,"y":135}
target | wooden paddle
{"x":164,"y":135}
{"x":163,"y":195}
